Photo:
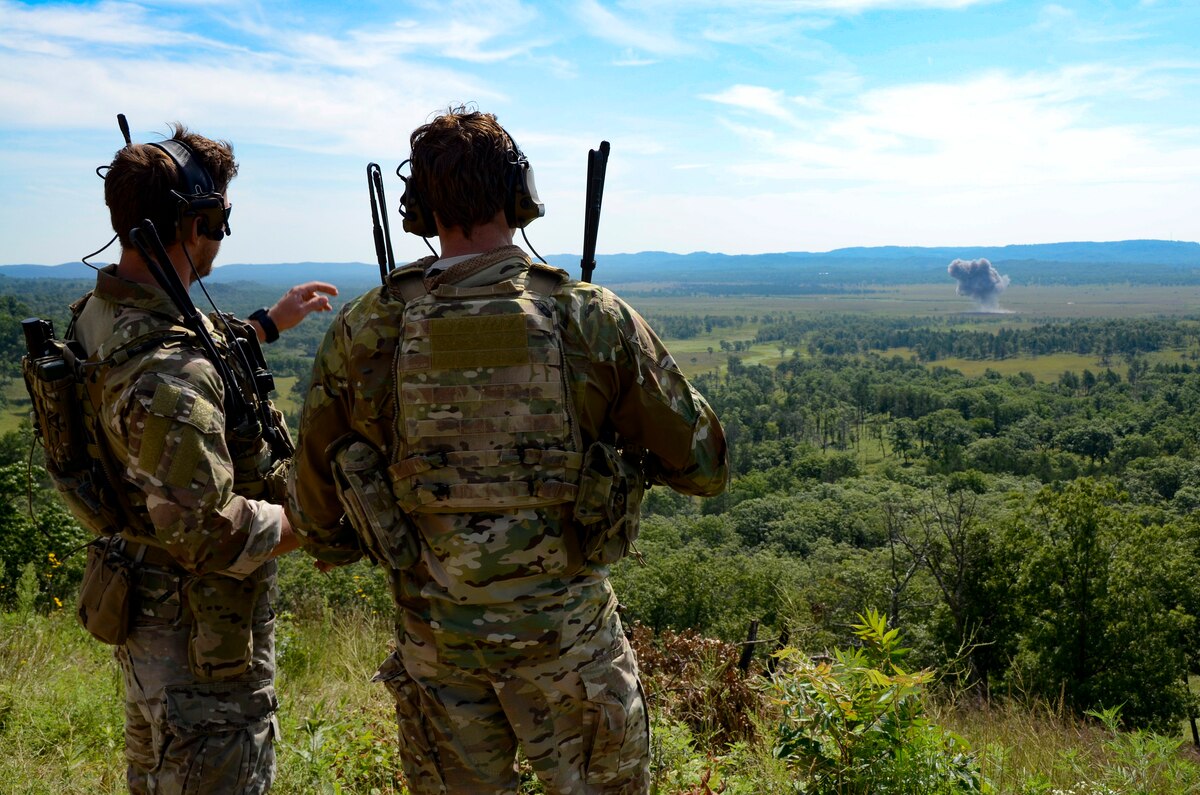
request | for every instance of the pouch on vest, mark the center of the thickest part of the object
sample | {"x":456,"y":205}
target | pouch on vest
{"x":61,"y":414}
{"x":608,"y":504}
{"x":104,"y":596}
{"x":365,"y":491}
{"x":221,"y":643}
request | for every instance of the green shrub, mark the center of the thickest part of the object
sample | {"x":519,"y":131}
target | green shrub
{"x":855,"y":724}
{"x":1140,"y":762}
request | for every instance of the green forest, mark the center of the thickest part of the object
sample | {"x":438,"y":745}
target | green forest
{"x":958,"y":553}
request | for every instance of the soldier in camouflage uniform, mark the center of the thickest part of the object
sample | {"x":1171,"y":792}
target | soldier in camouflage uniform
{"x":198,"y":662}
{"x":474,"y":421}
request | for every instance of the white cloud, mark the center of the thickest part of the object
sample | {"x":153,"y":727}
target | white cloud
{"x":784,"y":7}
{"x":1068,"y":23}
{"x":630,"y":58}
{"x":758,"y":99}
{"x":989,"y":131}
{"x":73,"y":68}
{"x":240,"y":98}
{"x":58,"y":29}
{"x":648,"y":33}
{"x":858,"y":6}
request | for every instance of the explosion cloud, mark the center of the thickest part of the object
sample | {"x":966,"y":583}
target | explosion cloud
{"x":977,"y":279}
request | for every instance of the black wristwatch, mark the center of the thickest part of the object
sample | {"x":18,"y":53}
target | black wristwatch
{"x":263,"y":319}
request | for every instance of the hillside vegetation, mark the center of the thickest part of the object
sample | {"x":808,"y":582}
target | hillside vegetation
{"x":967,"y":546}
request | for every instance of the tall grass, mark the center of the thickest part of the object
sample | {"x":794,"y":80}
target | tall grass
{"x":61,"y":720}
{"x":714,"y":728}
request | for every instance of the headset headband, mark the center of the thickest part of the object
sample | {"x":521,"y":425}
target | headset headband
{"x":521,"y":202}
{"x":193,"y":176}
{"x":197,"y":193}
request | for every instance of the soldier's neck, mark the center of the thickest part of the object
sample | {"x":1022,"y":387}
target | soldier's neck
{"x":131,"y":266}
{"x":484,"y":237}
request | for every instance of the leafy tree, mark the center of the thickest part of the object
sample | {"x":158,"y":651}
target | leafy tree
{"x":1102,"y":598}
{"x":1090,"y":440}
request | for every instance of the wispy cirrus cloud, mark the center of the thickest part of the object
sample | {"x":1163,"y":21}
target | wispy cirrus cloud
{"x":859,"y":6}
{"x":995,"y":129}
{"x":337,"y":113}
{"x":63,"y":67}
{"x":56,"y":29}
{"x":756,"y":99}
{"x":1055,"y":18}
{"x":781,"y":8}
{"x":635,"y":29}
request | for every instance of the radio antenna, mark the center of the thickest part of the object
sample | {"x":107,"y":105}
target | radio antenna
{"x":124,"y":128}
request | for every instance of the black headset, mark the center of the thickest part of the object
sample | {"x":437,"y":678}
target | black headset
{"x":521,"y":203}
{"x":197,"y":195}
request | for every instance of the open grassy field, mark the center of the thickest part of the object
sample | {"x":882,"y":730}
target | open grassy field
{"x":16,"y":402}
{"x":1020,"y":303}
{"x":1024,"y":307}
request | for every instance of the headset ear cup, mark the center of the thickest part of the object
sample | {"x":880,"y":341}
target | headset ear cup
{"x":524,"y":205}
{"x":418,"y":220}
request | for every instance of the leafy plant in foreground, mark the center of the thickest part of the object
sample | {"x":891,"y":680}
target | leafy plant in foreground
{"x":855,"y":724}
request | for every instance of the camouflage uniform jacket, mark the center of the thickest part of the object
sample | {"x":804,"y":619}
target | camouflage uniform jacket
{"x":493,"y":587}
{"x":163,"y":421}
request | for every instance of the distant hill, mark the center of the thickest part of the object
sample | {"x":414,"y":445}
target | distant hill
{"x":351,"y":273}
{"x":1126,"y":261}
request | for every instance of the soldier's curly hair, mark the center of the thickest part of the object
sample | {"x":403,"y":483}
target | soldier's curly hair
{"x":140,"y":179}
{"x":461,"y":167}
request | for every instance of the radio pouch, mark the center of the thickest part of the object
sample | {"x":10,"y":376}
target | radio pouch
{"x":608,"y":504}
{"x":365,"y":491}
{"x":62,"y":416}
{"x":104,"y":596}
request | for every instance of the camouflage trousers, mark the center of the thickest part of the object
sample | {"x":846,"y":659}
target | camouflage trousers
{"x":580,"y":719}
{"x":186,"y":733}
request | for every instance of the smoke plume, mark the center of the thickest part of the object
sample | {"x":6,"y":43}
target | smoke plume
{"x":977,"y":279}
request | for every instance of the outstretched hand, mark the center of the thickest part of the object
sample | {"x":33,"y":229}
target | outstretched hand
{"x":299,"y":301}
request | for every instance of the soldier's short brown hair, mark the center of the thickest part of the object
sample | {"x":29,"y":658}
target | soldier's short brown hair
{"x":140,"y":179}
{"x":461,"y":167}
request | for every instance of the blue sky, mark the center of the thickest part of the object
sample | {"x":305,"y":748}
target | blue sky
{"x":740,"y":127}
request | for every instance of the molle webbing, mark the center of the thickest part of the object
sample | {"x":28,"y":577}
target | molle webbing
{"x":482,"y":405}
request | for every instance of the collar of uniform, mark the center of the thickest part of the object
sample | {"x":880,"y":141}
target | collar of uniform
{"x":504,"y":262}
{"x":150,"y":297}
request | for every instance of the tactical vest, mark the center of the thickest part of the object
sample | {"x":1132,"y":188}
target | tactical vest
{"x":65,"y":390}
{"x":484,"y":421}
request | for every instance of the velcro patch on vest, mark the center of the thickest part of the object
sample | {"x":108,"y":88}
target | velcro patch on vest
{"x":479,"y":341}
{"x":173,"y":437}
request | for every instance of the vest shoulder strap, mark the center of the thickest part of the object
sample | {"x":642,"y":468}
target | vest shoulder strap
{"x":408,"y":284}
{"x":545,"y":279}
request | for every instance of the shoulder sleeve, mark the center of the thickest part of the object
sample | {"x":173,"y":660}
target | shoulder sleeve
{"x":313,"y":506}
{"x":634,"y":383}
{"x":174,"y":425}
